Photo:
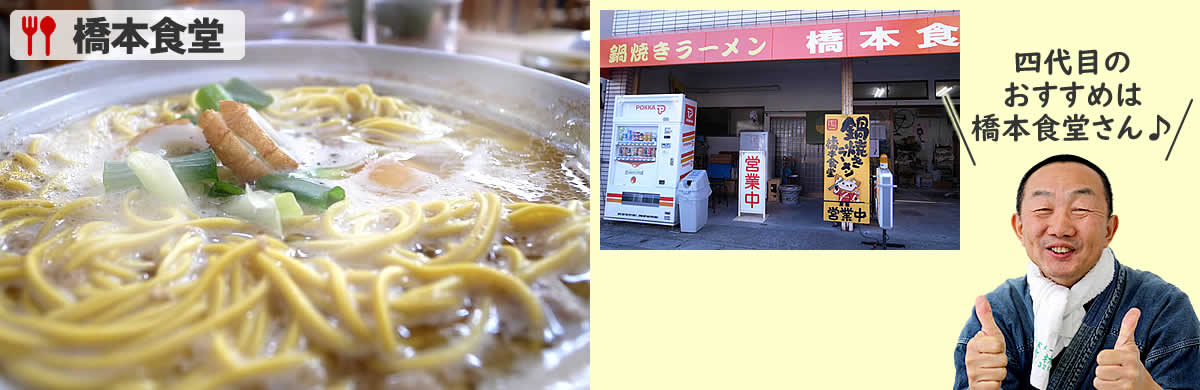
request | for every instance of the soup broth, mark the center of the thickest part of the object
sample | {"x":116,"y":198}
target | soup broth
{"x":452,"y":252}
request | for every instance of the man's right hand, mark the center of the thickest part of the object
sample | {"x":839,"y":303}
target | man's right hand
{"x":985,"y":358}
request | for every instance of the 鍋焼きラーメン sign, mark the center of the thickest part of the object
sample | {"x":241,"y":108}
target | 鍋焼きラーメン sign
{"x":906,"y":36}
{"x":847,"y":164}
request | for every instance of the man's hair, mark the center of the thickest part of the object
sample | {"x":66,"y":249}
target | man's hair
{"x":1066,"y":158}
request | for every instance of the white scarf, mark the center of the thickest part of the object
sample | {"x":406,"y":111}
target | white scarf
{"x":1058,"y":312}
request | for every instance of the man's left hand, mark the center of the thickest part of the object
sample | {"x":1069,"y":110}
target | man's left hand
{"x":1121,"y":368}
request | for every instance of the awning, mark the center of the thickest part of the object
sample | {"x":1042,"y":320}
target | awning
{"x":888,"y":37}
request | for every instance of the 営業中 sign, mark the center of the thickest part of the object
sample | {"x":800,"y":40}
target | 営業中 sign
{"x":752,"y":183}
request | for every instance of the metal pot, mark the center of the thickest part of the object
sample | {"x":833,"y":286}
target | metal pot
{"x":541,"y":103}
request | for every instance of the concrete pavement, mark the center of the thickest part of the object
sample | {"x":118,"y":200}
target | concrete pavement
{"x":923,"y":220}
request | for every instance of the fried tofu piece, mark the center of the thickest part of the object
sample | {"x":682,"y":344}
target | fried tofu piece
{"x":241,"y":119}
{"x":231,"y":149}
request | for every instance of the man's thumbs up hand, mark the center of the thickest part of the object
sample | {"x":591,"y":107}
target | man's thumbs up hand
{"x":1121,"y":367}
{"x":985,"y":358}
{"x":983,"y":310}
{"x":1128,"y":326}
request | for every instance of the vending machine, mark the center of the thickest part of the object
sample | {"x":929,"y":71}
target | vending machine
{"x":653,"y":139}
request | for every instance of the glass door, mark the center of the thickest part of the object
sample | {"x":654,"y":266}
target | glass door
{"x":636,"y":145}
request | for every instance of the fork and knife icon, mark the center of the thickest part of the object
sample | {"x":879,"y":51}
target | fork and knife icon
{"x":29,"y":24}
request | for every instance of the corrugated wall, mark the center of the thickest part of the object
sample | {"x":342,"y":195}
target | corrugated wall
{"x":807,"y":160}
{"x":620,"y":84}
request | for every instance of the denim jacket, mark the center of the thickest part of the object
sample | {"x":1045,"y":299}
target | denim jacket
{"x":1168,"y":333}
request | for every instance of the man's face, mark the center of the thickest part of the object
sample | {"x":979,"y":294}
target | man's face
{"x":1063,"y":222}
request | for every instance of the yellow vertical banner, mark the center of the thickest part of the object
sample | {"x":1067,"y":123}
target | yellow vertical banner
{"x":847,"y":166}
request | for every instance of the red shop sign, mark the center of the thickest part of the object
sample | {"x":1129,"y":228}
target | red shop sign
{"x":891,"y":37}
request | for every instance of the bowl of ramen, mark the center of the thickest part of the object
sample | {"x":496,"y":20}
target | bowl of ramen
{"x":316,"y":215}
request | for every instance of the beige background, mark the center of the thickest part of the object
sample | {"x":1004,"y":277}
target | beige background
{"x":861,"y":319}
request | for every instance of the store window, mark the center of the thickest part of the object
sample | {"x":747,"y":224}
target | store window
{"x":725,"y":121}
{"x":892,"y":90}
{"x":712,"y":122}
{"x":947,"y":87}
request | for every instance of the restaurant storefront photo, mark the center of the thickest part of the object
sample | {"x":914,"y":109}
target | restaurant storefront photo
{"x":777,"y":86}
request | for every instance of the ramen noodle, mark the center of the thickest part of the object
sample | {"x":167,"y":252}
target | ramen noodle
{"x":457,"y":252}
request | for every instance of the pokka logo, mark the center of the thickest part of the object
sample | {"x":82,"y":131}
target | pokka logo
{"x":127,"y":35}
{"x":659,"y":108}
{"x":689,"y":114}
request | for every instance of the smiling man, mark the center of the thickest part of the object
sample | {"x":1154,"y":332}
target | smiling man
{"x":1078,"y":319}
